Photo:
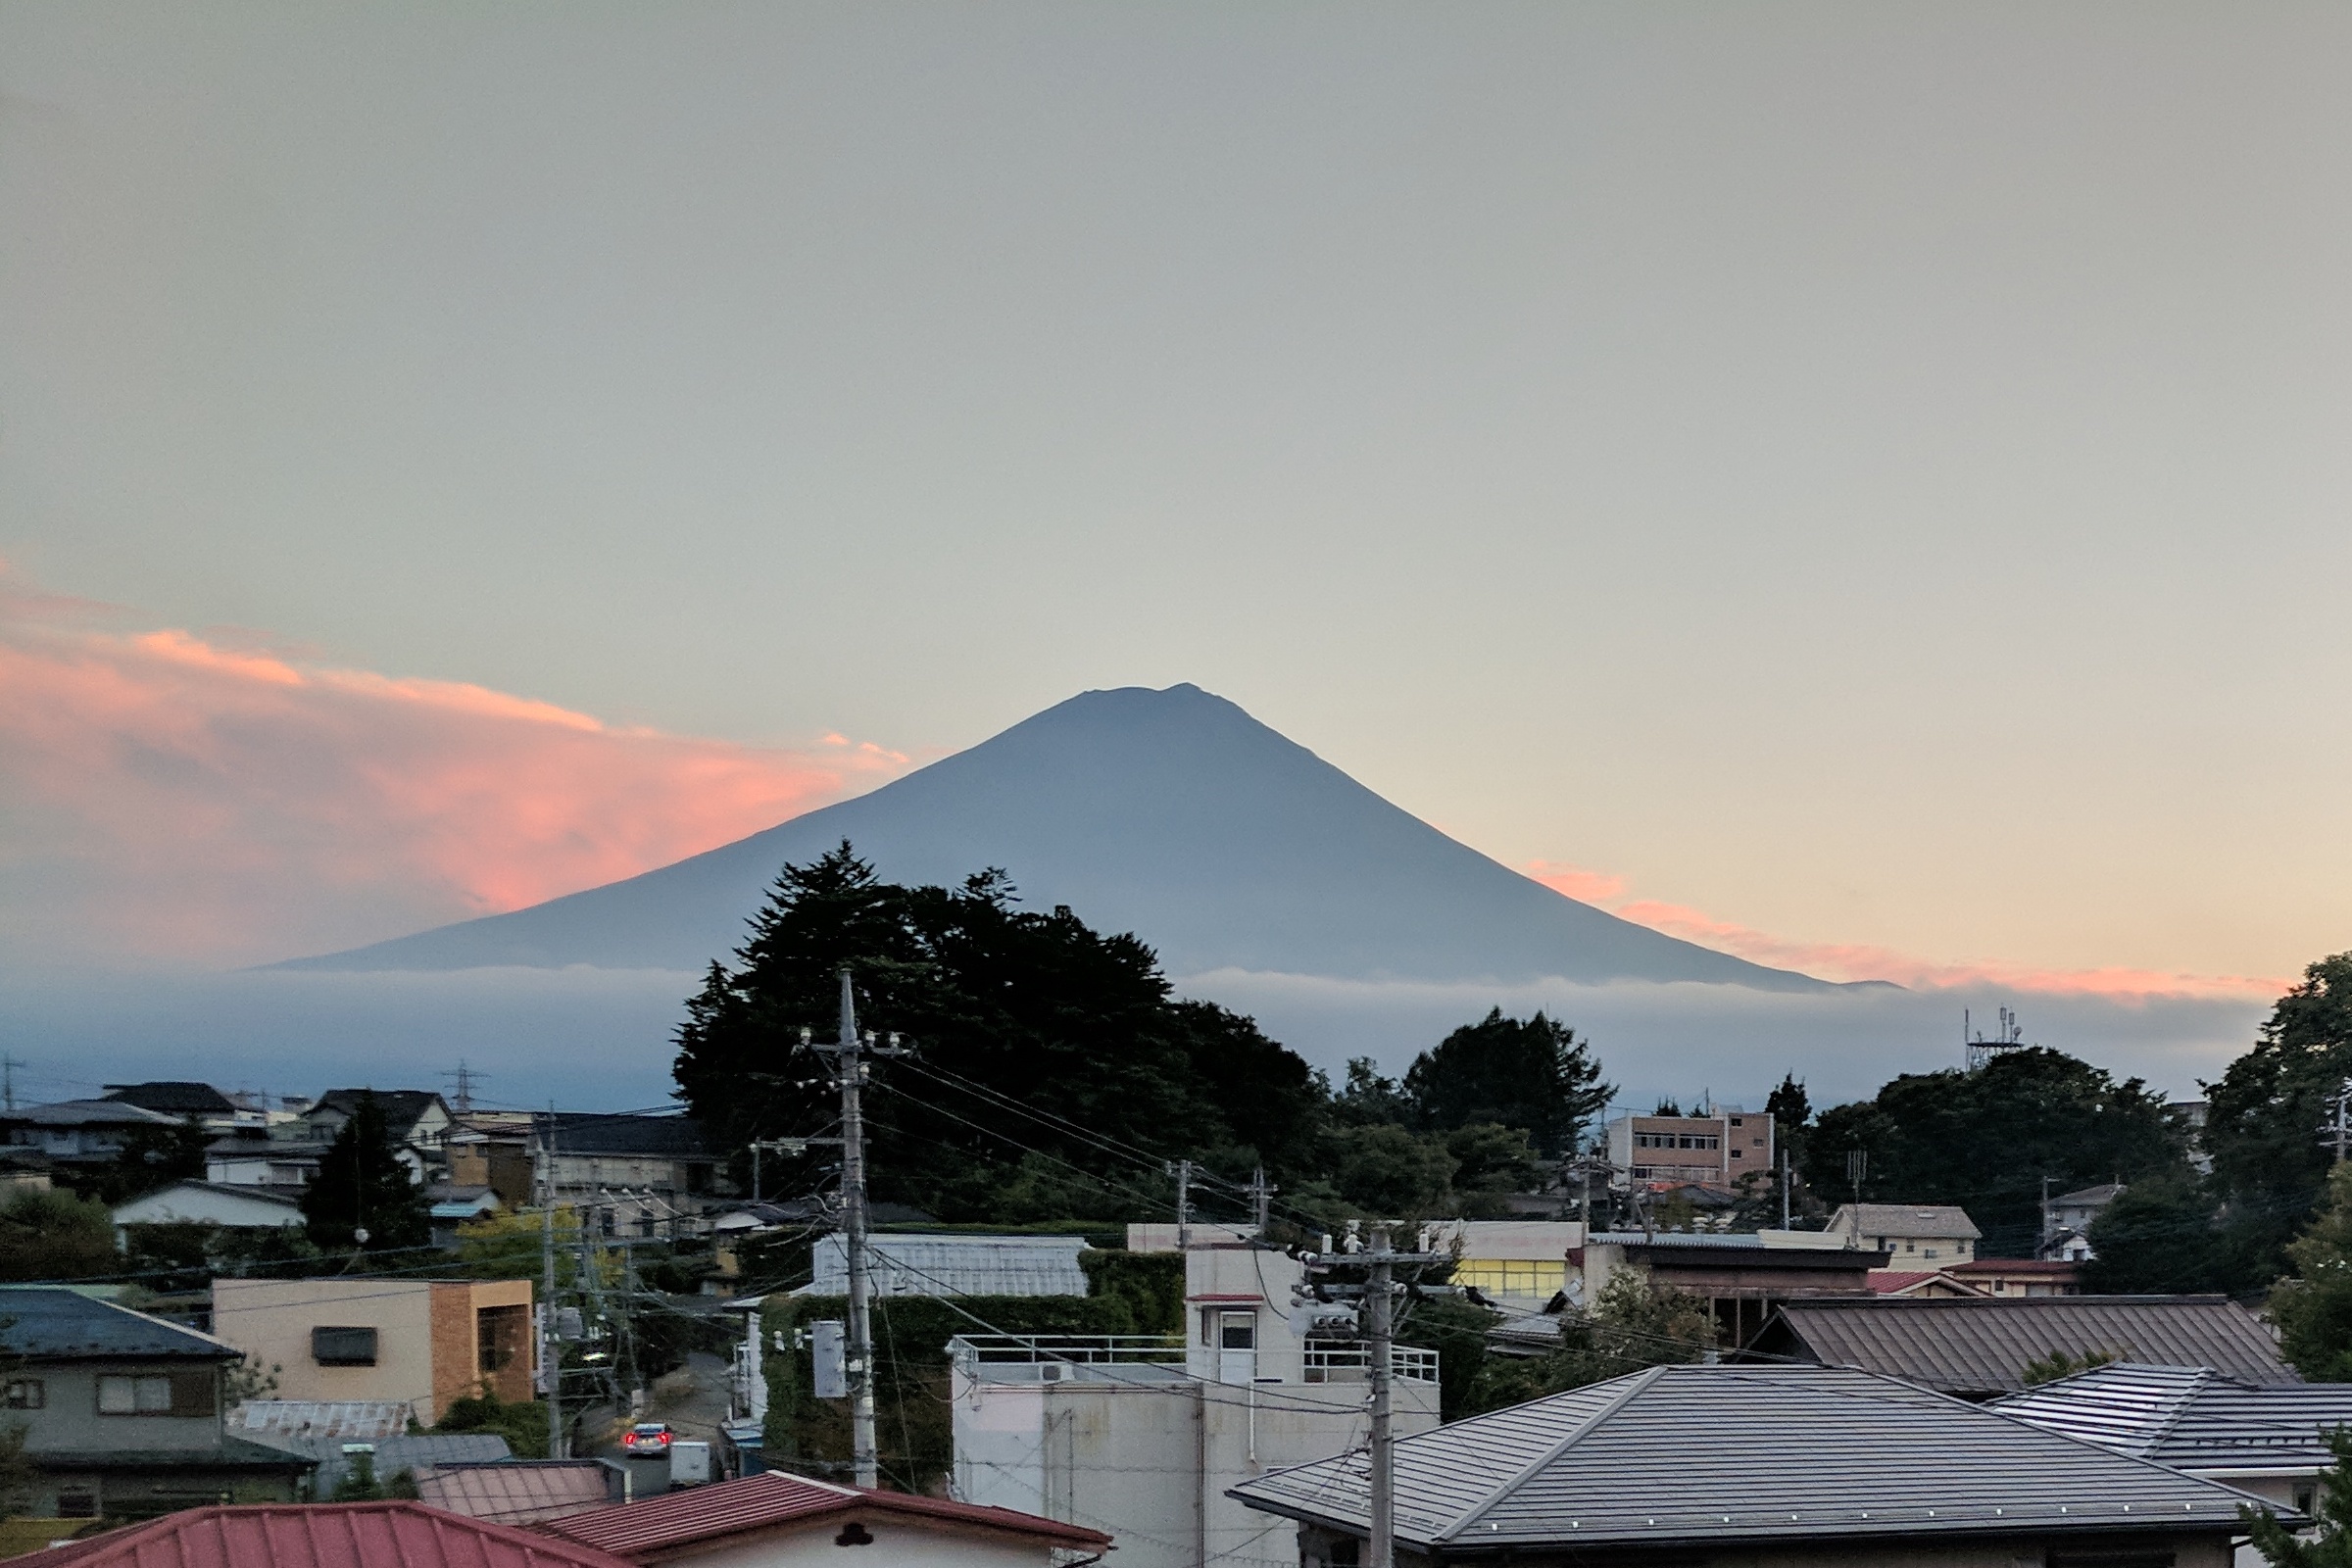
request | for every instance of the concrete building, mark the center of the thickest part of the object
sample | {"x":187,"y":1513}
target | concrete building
{"x":1913,"y":1235}
{"x":1141,"y":1437}
{"x":123,"y":1412}
{"x":1716,"y":1149}
{"x":1517,"y":1263}
{"x":422,"y":1342}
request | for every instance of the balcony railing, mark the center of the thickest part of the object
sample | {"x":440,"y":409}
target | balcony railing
{"x":1081,"y":1349}
{"x":1351,"y":1363}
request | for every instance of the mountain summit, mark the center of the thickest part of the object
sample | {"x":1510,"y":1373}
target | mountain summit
{"x":1170,"y":813}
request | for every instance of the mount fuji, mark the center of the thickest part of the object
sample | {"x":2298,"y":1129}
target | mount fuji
{"x":1170,"y":813}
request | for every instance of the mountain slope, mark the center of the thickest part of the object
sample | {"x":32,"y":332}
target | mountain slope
{"x":1171,"y":813}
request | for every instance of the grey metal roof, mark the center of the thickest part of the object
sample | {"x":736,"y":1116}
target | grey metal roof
{"x":2190,"y":1417}
{"x":1983,"y":1347}
{"x":1676,"y":1454}
{"x":591,"y":1133}
{"x":392,"y":1454}
{"x":1907,"y":1219}
{"x":62,"y":1325}
{"x":88,"y":1113}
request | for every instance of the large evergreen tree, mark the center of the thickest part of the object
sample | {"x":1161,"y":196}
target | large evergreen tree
{"x":1533,"y":1075}
{"x":1008,"y":1007}
{"x":2263,"y":1118}
{"x":362,"y":1185}
{"x":1986,"y":1140}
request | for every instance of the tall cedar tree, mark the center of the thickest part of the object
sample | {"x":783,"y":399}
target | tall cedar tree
{"x":1033,"y":1006}
{"x":2313,"y":1310}
{"x":2260,"y":1117}
{"x":1984,"y":1140}
{"x":363,"y":1185}
{"x":1536,"y":1076}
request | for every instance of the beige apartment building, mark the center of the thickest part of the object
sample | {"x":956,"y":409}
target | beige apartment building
{"x":420,"y":1342}
{"x":1716,"y":1149}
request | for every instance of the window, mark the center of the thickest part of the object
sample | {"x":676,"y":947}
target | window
{"x":1737,"y":1153}
{"x":343,"y":1347}
{"x":124,"y":1394}
{"x":24,"y":1394}
{"x":79,"y":1503}
{"x":1736,"y":1121}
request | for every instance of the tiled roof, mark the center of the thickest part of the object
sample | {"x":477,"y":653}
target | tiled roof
{"x":89,"y":1113}
{"x":774,"y":1498}
{"x":331,"y":1535}
{"x":2190,"y":1417}
{"x":62,"y":1325}
{"x":1984,"y":1346}
{"x":520,"y":1491}
{"x":675,"y":1137}
{"x":1907,"y":1219}
{"x":1659,"y":1458}
{"x":178,"y":1097}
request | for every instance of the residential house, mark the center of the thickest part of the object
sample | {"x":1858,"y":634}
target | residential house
{"x":1742,"y":1276}
{"x":1978,"y":1350}
{"x":2066,"y":1221}
{"x":208,"y":1108}
{"x":254,"y":1208}
{"x":2020,"y":1276}
{"x":421,"y":1343}
{"x":1921,"y":1282}
{"x":1514,"y":1263}
{"x":1141,"y":1438}
{"x":900,"y":1264}
{"x":637,"y":1175}
{"x":282,"y":1166}
{"x":775,"y":1520}
{"x":455,"y":1207}
{"x":382,"y":1459}
{"x":123,"y":1412}
{"x":342,"y":1534}
{"x":2267,"y":1439}
{"x":492,"y":1148}
{"x":523,"y":1492}
{"x":1717,"y":1150}
{"x":1692,"y":1464}
{"x":80,"y":1131}
{"x":415,"y":1119}
{"x":1913,"y":1235}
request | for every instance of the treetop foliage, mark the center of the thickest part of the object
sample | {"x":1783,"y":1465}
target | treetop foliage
{"x":362,"y":1183}
{"x":1986,"y":1140}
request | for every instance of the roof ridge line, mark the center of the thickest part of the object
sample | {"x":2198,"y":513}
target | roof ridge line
{"x":1636,"y":1382}
{"x":2179,"y":1407}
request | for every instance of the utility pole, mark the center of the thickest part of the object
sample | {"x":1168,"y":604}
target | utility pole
{"x":1377,"y":1320}
{"x":2340,"y":1134}
{"x":7,"y":1081}
{"x":851,"y":1052}
{"x":1783,"y":1186}
{"x":551,"y":1355}
{"x":1380,"y":1329}
{"x":1182,"y":1170}
{"x":1262,"y":1197}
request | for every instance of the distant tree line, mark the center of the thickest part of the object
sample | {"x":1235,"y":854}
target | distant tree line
{"x":1057,"y":1070}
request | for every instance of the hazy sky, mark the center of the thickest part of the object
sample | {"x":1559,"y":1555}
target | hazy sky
{"x":1861,"y":474}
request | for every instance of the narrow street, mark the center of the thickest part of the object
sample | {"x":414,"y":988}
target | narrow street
{"x":693,"y":1399}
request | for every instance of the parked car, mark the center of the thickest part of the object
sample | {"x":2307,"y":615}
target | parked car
{"x":648,"y":1439}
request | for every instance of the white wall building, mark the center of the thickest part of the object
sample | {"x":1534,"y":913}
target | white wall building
{"x":1141,"y":1437}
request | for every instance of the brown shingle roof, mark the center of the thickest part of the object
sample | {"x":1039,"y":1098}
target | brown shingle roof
{"x":1982,"y":1347}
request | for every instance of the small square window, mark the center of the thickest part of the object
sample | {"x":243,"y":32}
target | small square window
{"x":119,"y":1394}
{"x":24,"y":1394}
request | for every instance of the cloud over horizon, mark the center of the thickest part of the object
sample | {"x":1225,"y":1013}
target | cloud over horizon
{"x":1859,"y":961}
{"x":215,"y":799}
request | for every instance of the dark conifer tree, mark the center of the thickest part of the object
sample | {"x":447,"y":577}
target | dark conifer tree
{"x":362,"y":1185}
{"x":1533,"y":1075}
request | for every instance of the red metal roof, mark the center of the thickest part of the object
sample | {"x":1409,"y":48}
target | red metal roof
{"x":761,"y":1501}
{"x":328,"y":1534}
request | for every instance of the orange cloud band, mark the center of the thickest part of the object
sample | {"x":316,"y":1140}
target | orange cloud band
{"x":176,"y":797}
{"x":1848,"y":961}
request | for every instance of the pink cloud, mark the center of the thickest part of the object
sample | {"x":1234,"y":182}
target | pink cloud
{"x":1850,"y":961}
{"x":174,"y":795}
